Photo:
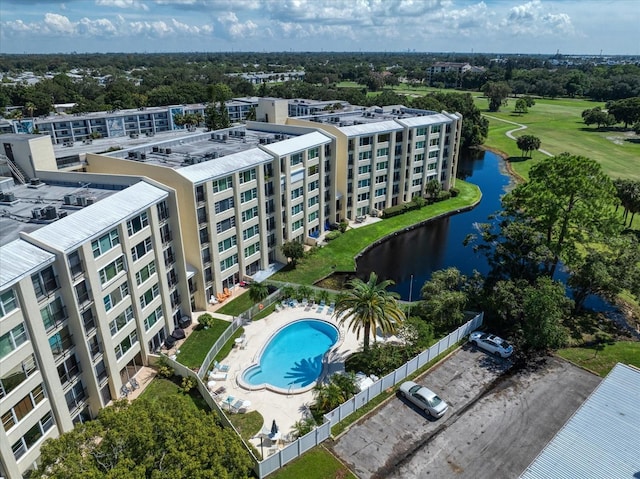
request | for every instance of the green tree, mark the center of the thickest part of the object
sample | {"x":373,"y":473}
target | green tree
{"x":369,"y":306}
{"x":521,"y":106}
{"x":527,"y":144}
{"x":568,"y":199}
{"x":497,"y":93}
{"x":625,"y":111}
{"x":293,"y":250}
{"x":258,"y":291}
{"x":432,"y":189}
{"x":166,"y":437}
{"x":598,"y":117}
{"x":444,"y":298}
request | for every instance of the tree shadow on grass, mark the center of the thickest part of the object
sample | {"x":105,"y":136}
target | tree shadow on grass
{"x":635,"y":141}
{"x":518,"y":159}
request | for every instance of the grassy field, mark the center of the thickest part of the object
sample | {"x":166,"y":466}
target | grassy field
{"x":160,"y":387}
{"x":195,"y":348}
{"x":558,"y":124}
{"x":318,"y":463}
{"x":601,"y":361}
{"x":340,"y":254}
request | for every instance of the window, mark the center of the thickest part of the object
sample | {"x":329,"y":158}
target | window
{"x":53,"y":314}
{"x":366,"y":140}
{"x":313,"y":216}
{"x":163,"y":210}
{"x":418,"y":157}
{"x":126,"y":344}
{"x":314,"y":185}
{"x":364,"y":196}
{"x":204,"y":235}
{"x":26,"y":442}
{"x":296,"y":193}
{"x":312,"y":170}
{"x":383,"y":165}
{"x":381,"y":192}
{"x":142,"y":248}
{"x":7,"y":302}
{"x":249,"y":214}
{"x":68,"y":370}
{"x":229,"y":262}
{"x":145,"y":273}
{"x":251,"y":250}
{"x":382,"y":152}
{"x":23,"y":407}
{"x":149,"y":295}
{"x":248,"y":195}
{"x":116,"y":296}
{"x":421,"y":131}
{"x":436,"y":128}
{"x":433,"y":154}
{"x":434,"y":141}
{"x":246,"y":176}
{"x":12,"y":340}
{"x":222,"y":184}
{"x":224,"y":225}
{"x":75,"y":264}
{"x":121,"y":321}
{"x":313,"y":153}
{"x":418,"y":169}
{"x":136,"y":224}
{"x":297,"y":225}
{"x":364,"y":183}
{"x":200,"y":193}
{"x":296,"y":159}
{"x":44,"y":282}
{"x":383,"y":137}
{"x":364,"y":169}
{"x":419,"y":144}
{"x":250,"y":232}
{"x":432,"y":166}
{"x":381,"y":179}
{"x":105,"y":243}
{"x":295,"y":209}
{"x":153,"y":318}
{"x":364,"y":155}
{"x":312,"y":201}
{"x":417,"y":182}
{"x":224,"y":205}
{"x":202,"y":215}
{"x":226,"y":244}
{"x":12,"y":378}
{"x":111,"y":270}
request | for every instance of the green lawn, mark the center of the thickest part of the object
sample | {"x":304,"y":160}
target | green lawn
{"x":558,"y":124}
{"x":339,"y":254}
{"x":602,"y":361}
{"x":318,"y":463}
{"x":237,"y":305}
{"x":195,"y":348}
{"x":161,"y":387}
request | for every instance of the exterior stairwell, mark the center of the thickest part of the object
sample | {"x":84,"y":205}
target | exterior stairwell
{"x":17,"y":172}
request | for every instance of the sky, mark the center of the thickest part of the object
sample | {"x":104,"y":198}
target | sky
{"x":490,"y":26}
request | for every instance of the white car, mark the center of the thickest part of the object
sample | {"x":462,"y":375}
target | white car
{"x":491,"y":343}
{"x":424,"y":398}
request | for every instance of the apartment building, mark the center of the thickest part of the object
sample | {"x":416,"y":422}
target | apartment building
{"x":92,"y":286}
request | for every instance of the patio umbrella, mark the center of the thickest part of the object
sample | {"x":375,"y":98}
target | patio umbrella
{"x":274,"y":428}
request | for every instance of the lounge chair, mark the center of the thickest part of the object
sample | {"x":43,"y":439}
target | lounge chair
{"x":227,"y":293}
{"x":241,"y":405}
{"x":223,"y":368}
{"x":278,"y":307}
{"x":134,"y":383}
{"x":221,"y":297}
{"x":217,"y":375}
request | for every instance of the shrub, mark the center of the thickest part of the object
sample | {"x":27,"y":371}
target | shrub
{"x":343,"y":226}
{"x":443,"y":195}
{"x":331,"y":235}
{"x":188,"y":383}
{"x":206,"y":320}
{"x":454,"y":192}
{"x":164,"y":370}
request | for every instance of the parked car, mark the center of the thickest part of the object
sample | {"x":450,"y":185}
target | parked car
{"x":491,"y":343}
{"x":424,"y":398}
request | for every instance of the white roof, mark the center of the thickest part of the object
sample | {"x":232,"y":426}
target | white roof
{"x":370,"y":128}
{"x":18,"y":259}
{"x":298,"y":143}
{"x":70,"y":232}
{"x":425,"y":120}
{"x":220,"y":167}
{"x":602,"y":438}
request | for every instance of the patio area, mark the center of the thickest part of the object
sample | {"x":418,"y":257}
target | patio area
{"x":286,"y":409}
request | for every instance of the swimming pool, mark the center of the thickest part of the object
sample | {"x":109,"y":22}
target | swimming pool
{"x":292,"y":359}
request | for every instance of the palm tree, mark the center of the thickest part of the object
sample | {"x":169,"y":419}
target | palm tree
{"x":368,"y":306}
{"x":258,"y":291}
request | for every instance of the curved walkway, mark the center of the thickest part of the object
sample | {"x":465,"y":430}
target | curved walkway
{"x":511,"y":132}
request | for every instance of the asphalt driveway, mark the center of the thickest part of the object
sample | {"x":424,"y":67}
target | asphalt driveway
{"x":498,"y":421}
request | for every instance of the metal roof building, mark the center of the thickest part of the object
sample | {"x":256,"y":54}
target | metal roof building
{"x":602,"y":439}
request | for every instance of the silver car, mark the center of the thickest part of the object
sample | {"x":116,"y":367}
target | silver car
{"x":424,"y":398}
{"x":491,"y":343}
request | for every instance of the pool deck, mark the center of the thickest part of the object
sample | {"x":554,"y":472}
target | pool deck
{"x":286,"y":409}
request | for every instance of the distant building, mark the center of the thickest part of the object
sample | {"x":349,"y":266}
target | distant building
{"x":445,"y":67}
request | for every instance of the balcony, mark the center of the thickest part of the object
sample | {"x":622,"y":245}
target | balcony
{"x":169,"y":260}
{"x":76,"y":402}
{"x":76,"y":269}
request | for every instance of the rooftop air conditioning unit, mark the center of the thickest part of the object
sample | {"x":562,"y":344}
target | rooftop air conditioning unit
{"x":36,"y":213}
{"x":167,"y":151}
{"x":50,"y":213}
{"x":9,"y":197}
{"x":81,"y":201}
{"x":69,"y":199}
{"x":91,"y":200}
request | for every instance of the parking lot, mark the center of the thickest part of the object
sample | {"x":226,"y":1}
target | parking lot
{"x":498,"y":421}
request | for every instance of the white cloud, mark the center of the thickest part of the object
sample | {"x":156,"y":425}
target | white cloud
{"x":135,"y":4}
{"x":58,"y":24}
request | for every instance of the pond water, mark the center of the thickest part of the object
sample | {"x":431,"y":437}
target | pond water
{"x":438,"y":244}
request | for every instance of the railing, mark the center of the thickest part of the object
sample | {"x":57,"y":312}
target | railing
{"x":218,"y":345}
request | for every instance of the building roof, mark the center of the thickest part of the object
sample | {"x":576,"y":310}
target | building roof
{"x":424,"y":120}
{"x":19,"y":259}
{"x":70,"y":232}
{"x":370,"y":128}
{"x":224,"y":166}
{"x":297,"y":143}
{"x":602,"y":438}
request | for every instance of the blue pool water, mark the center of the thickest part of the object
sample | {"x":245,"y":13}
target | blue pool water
{"x":293,"y":357}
